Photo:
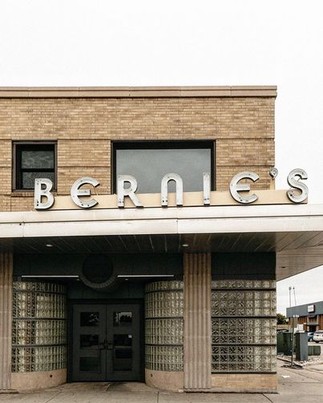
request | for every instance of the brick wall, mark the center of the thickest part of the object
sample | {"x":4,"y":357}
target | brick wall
{"x":242,"y":128}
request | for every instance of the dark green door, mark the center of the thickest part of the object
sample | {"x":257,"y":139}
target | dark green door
{"x":106,"y":342}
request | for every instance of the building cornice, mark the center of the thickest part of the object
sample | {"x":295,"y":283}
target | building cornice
{"x":138,"y":92}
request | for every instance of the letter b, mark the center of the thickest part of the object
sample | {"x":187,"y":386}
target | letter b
{"x":43,"y":186}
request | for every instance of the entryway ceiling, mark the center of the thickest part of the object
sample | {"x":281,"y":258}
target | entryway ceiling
{"x":295,"y":233}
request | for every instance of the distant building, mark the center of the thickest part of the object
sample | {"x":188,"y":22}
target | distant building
{"x":308,"y":315}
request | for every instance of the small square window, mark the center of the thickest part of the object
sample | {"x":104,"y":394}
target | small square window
{"x":33,"y":160}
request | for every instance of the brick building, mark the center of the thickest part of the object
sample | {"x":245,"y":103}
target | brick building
{"x":105,"y":276}
{"x":308,"y":316}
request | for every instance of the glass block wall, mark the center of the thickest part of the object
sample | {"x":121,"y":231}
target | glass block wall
{"x":164,"y":326}
{"x":38,"y":327}
{"x":243,"y":326}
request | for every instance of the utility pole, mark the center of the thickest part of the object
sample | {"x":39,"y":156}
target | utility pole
{"x":291,"y":290}
{"x":294,"y":296}
{"x":293,"y":324}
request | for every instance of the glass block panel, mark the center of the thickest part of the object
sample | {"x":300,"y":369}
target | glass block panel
{"x":164,"y":326}
{"x":243,"y":303}
{"x":164,"y":331}
{"x":164,"y":285}
{"x":41,"y":287}
{"x":38,"y":327}
{"x":243,"y":326}
{"x":243,"y":331}
{"x":243,"y":359}
{"x":40,"y":358}
{"x":164,"y":304}
{"x":238,"y":284}
{"x":164,"y":358}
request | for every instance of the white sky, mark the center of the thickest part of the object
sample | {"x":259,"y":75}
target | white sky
{"x":184,"y":42}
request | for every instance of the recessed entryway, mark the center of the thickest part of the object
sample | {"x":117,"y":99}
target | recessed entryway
{"x":106,"y":342}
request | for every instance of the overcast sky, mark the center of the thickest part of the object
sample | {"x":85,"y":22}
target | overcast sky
{"x":184,"y":42}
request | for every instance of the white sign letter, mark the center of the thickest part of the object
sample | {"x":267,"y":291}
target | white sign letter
{"x":293,"y":180}
{"x":129,"y":191}
{"x":179,"y":189}
{"x":43,"y":186}
{"x":236,"y":187}
{"x":206,"y":188}
{"x":76,"y":192}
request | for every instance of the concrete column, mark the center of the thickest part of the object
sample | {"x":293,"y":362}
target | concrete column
{"x":197,"y":321}
{"x":5,"y":320}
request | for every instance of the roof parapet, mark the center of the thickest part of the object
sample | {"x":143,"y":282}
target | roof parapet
{"x":138,"y":92}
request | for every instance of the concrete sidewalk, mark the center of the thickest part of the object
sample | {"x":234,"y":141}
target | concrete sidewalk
{"x":295,"y":385}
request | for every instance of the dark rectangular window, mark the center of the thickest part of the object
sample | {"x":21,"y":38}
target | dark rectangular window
{"x":148,"y":162}
{"x":33,"y":160}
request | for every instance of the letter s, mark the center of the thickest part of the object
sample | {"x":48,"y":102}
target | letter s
{"x":293,"y":180}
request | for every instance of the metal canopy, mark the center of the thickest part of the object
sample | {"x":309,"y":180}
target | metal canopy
{"x":294,"y":232}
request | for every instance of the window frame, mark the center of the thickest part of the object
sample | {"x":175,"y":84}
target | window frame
{"x":158,"y":145}
{"x":17,"y":148}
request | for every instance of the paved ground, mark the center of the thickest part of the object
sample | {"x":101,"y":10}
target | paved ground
{"x":295,"y":385}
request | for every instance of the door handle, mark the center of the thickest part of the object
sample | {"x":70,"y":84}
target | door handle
{"x":106,"y":345}
{"x":103,"y":345}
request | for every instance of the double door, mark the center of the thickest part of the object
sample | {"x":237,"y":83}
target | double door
{"x":106,"y":342}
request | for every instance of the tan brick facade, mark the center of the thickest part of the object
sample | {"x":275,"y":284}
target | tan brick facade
{"x":239,"y":121}
{"x":84,"y":124}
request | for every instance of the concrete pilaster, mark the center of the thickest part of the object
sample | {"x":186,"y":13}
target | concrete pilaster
{"x":5,"y":320}
{"x":197,"y":321}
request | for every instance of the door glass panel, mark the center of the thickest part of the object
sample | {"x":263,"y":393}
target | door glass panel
{"x":122,"y":357}
{"x":89,"y":319}
{"x":122,"y":318}
{"x":122,"y":340}
{"x":91,"y":364}
{"x":89,"y":340}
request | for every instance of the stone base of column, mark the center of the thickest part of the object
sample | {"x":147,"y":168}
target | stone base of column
{"x":166,"y":380}
{"x":244,"y":383}
{"x":38,"y":380}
